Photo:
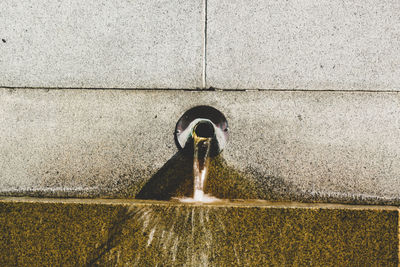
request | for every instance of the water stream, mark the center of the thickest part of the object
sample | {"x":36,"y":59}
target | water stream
{"x":201,"y":162}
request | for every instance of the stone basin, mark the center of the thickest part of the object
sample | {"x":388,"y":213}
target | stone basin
{"x":116,"y":232}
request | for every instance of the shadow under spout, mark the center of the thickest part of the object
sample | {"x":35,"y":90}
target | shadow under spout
{"x":175,"y":179}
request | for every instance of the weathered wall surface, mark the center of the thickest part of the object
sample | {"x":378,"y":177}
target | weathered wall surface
{"x":312,"y":45}
{"x":292,"y":145}
{"x":107,"y":44}
{"x":332,"y":45}
{"x":315,"y":144}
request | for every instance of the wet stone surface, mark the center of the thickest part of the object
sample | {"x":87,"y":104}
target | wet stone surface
{"x":147,"y":233}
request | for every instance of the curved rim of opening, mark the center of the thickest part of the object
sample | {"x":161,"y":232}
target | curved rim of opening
{"x":201,"y":112}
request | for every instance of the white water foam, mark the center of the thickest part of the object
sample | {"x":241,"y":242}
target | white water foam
{"x":204,"y":199}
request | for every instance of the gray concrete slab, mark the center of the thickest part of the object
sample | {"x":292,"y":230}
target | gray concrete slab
{"x":101,"y":44}
{"x":305,"y":146}
{"x":324,"y":45}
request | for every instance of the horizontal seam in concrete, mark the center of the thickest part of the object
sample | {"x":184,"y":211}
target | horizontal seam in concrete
{"x":211,"y":89}
{"x":308,"y":90}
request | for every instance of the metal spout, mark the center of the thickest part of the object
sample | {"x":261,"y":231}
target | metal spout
{"x":202,"y":122}
{"x":202,"y":129}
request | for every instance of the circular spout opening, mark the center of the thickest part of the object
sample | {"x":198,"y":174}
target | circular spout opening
{"x":205,"y":122}
{"x":204,"y":129}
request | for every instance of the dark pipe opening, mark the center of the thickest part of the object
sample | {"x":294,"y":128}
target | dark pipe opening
{"x":204,"y":129}
{"x":217,"y":121}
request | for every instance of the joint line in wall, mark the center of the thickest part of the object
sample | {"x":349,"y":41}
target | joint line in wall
{"x":204,"y":59}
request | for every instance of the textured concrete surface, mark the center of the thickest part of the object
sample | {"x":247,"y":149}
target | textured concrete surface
{"x":339,"y":45}
{"x":120,"y":233}
{"x":304,"y":146}
{"x":107,"y":44}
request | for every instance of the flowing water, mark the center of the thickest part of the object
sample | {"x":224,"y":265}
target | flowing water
{"x":201,"y":162}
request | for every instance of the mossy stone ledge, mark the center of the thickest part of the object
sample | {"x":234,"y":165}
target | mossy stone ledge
{"x":100,"y":232}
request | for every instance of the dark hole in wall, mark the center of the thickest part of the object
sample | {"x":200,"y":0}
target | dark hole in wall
{"x":205,"y":130}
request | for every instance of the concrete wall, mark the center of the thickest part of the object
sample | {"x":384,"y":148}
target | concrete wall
{"x":108,"y":44}
{"x":109,"y":142}
{"x":312,"y":45}
{"x":160,"y":44}
{"x":329,"y":142}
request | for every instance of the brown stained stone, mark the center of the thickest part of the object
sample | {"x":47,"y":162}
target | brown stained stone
{"x":225,"y":182}
{"x":74,"y":232}
{"x":175,"y":179}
